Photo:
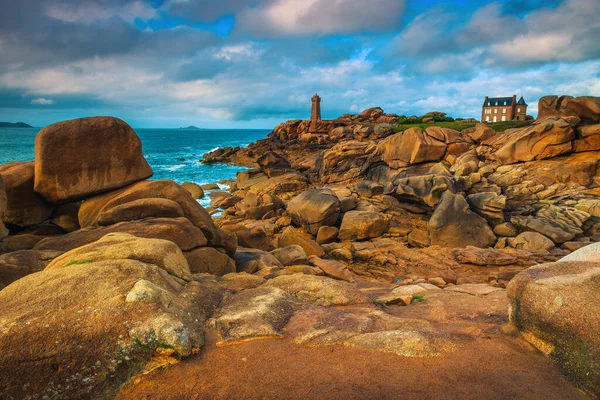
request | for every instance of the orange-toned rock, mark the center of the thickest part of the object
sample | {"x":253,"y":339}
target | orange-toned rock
{"x":556,"y":307}
{"x":3,"y":230}
{"x":585,"y":108}
{"x":133,"y":202}
{"x":412,"y":146}
{"x":83,"y":157}
{"x":24,"y":206}
{"x":453,"y":224}
{"x":547,"y":139}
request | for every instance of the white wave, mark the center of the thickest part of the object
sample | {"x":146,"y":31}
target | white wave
{"x":173,"y":168}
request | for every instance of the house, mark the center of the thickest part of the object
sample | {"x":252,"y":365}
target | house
{"x":496,"y":109}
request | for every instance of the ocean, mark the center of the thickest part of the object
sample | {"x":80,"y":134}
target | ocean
{"x":162,"y":148}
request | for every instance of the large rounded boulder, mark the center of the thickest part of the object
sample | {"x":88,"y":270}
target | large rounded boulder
{"x":148,"y":199}
{"x":83,"y":157}
{"x":24,"y":207}
{"x":82,"y":328}
{"x":556,"y":307}
{"x":3,"y":230}
{"x":315,"y":208}
{"x":453,"y":224}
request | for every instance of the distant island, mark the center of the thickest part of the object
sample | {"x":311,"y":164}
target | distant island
{"x":14,"y":125}
{"x":191,"y":127}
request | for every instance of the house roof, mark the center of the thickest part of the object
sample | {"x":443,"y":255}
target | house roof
{"x":521,"y":102}
{"x":498,"y":101}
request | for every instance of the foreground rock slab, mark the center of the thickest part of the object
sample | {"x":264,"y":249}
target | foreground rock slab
{"x":82,"y":330}
{"x":557,"y":309}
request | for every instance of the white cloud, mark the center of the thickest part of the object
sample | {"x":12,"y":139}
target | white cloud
{"x":567,"y":33}
{"x":42,"y":101}
{"x":321,"y":17}
{"x":92,"y":11}
{"x":532,"y":47}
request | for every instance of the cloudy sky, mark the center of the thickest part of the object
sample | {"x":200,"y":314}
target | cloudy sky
{"x":254,"y":63}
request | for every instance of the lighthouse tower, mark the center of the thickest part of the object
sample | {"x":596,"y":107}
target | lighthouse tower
{"x":315,"y":114}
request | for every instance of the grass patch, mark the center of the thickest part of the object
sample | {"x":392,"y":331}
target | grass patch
{"x":418,"y":299}
{"x":461,"y":125}
{"x":75,"y":262}
{"x":160,"y":345}
{"x":177,"y":276}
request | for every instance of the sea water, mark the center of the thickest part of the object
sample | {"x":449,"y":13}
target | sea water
{"x":173,"y":154}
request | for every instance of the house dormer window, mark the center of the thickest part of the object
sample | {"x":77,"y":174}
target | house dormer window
{"x":504,"y":103}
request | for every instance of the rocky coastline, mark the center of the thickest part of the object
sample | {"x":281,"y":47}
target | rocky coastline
{"x":351,"y":237}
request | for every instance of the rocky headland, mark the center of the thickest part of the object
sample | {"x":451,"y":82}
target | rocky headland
{"x":354,"y":259}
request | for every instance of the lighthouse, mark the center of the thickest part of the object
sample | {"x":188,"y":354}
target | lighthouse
{"x":315,"y":114}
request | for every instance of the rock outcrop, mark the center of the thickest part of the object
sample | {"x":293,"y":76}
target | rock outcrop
{"x":24,"y":207}
{"x":453,"y":224}
{"x":83,"y":157}
{"x":556,"y":308}
{"x":314,"y":208}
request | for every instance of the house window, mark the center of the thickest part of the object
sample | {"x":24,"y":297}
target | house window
{"x":503,"y":118}
{"x":487,"y":119}
{"x":488,"y":111}
{"x":518,"y":109}
{"x":504,"y":103}
{"x":495,"y":111}
{"x":504,"y":111}
{"x":495,"y":118}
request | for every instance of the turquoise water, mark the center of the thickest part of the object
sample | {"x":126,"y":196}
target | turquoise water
{"x":162,"y":148}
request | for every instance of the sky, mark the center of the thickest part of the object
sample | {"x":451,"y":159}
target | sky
{"x":255,"y":63}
